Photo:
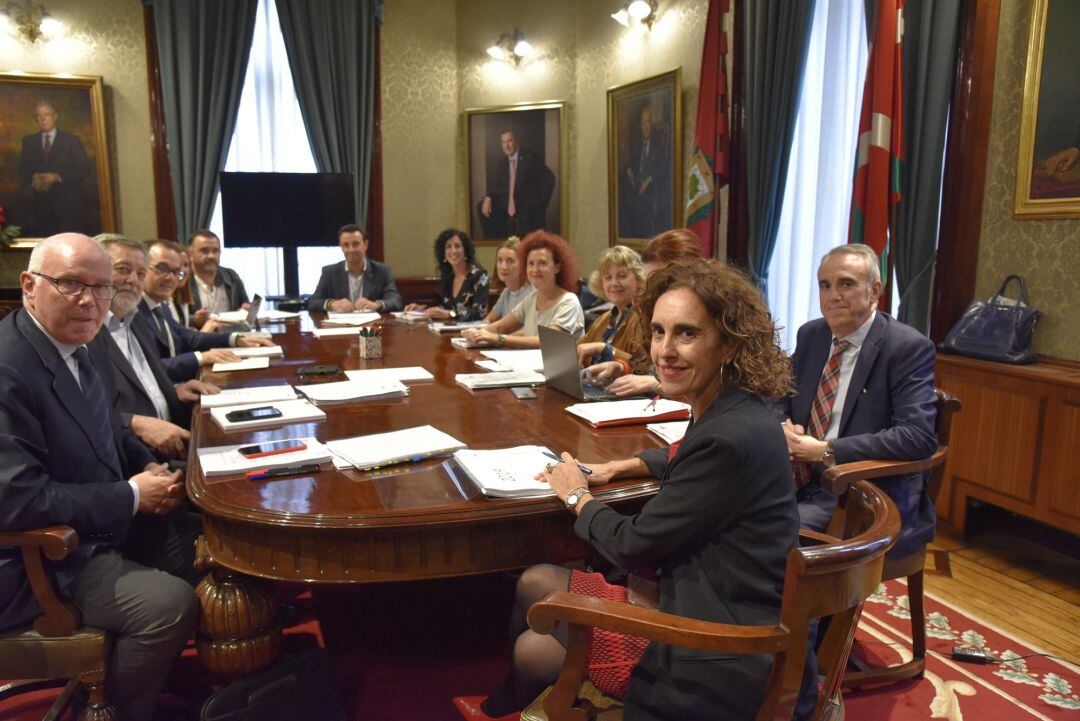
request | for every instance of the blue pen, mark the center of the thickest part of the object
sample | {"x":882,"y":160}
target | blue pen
{"x":581,"y":468}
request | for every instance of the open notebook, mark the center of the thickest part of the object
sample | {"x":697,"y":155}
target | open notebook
{"x":507,"y":473}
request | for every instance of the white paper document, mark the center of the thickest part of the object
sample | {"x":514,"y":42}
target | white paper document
{"x":294,"y":411}
{"x":384,"y":449}
{"x":614,"y":413}
{"x":517,"y":360}
{"x":241,"y":316}
{"x":410,"y":315}
{"x":353,"y":390}
{"x":226,"y":460}
{"x":258,"y":394}
{"x":507,"y":473}
{"x":490,"y":365}
{"x":334,"y":332}
{"x":260,"y":351}
{"x":503,"y":379}
{"x":403,"y":374}
{"x":247,"y":364}
{"x":670,"y":432}
{"x":461,"y":342}
{"x":455,"y":327}
{"x":350,"y":319}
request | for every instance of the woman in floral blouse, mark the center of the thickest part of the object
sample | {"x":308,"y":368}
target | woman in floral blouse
{"x":464,"y":287}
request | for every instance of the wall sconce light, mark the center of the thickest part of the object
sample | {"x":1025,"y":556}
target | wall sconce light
{"x":512,"y":47}
{"x":30,"y":20}
{"x":643,"y":11}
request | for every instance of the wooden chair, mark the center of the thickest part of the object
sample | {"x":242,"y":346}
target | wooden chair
{"x":830,"y":578}
{"x":837,"y":479}
{"x":56,"y":645}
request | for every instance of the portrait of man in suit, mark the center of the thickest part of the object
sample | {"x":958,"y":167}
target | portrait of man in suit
{"x":518,"y":199}
{"x":645,"y":207}
{"x":54,"y":170}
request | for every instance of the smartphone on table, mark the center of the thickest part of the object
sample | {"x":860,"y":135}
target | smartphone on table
{"x":253,"y":414}
{"x":272,"y":448}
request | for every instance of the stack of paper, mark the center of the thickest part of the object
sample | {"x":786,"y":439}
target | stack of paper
{"x":334,"y":332}
{"x":503,"y":379}
{"x":620,"y":413}
{"x":350,"y":319}
{"x":669,"y":432}
{"x":294,"y":411}
{"x":517,"y":360}
{"x":353,"y":390}
{"x":247,"y":364}
{"x":260,"y":351}
{"x":384,"y":449}
{"x":226,"y":460}
{"x":410,"y":315}
{"x":403,"y":374}
{"x":461,"y":342}
{"x":259,"y":395}
{"x":455,"y":327}
{"x":240,"y":316}
{"x":507,"y":473}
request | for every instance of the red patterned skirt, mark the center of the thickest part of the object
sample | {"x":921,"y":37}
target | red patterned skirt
{"x":612,"y":656}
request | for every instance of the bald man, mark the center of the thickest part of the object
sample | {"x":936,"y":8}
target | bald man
{"x":66,"y":459}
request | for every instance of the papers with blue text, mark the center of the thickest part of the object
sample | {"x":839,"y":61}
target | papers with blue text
{"x":384,"y":449}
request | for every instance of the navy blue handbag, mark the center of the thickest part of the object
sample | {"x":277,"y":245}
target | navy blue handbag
{"x":998,"y":330}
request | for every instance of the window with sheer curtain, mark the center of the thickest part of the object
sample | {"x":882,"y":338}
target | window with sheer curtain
{"x":817,"y":197}
{"x":269,"y":137}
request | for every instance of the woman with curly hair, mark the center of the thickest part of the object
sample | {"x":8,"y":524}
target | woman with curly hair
{"x":549,"y":265}
{"x":616,"y":333}
{"x":464,"y":286}
{"x":718,"y":531}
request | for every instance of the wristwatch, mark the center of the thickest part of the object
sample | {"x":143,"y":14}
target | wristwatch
{"x":574,"y":497}
{"x":453,"y":315}
{"x":829,"y":459}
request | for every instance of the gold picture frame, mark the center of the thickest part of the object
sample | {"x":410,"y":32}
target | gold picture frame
{"x":67,"y":187}
{"x":539,"y":132}
{"x":645,"y":162}
{"x":1048,"y":166}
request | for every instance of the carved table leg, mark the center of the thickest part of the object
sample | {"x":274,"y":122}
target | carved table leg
{"x":239,"y":631}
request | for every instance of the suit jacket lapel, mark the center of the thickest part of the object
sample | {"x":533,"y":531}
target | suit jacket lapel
{"x":121,"y":362}
{"x":163,"y":342}
{"x":863,"y":365}
{"x":145,"y":338}
{"x":813,"y":365}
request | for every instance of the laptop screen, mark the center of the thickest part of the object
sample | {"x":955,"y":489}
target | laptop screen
{"x":253,"y":311}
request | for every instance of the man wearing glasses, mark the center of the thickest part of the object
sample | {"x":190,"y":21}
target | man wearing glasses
{"x":66,"y":459}
{"x":182,"y":349}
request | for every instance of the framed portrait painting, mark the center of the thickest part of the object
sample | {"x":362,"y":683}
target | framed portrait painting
{"x":644,"y":158}
{"x":54,"y":165}
{"x":1048,"y":169}
{"x":516,"y":159}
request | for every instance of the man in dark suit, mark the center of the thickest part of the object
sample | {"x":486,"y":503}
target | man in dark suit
{"x":182,"y":349}
{"x":66,"y":458}
{"x":645,"y":202}
{"x":156,"y":408}
{"x":864,"y":390}
{"x":356,"y":283}
{"x":214,"y":289}
{"x":53,"y":166}
{"x":517,"y":203}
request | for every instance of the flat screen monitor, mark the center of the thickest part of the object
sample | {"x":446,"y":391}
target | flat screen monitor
{"x":285,"y":210}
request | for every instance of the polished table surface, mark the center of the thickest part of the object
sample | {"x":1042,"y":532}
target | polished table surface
{"x":407,"y":521}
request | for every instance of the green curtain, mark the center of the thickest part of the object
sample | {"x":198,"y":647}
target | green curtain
{"x":203,"y":49}
{"x":931,"y":38}
{"x":777,"y":36}
{"x":331,"y":48}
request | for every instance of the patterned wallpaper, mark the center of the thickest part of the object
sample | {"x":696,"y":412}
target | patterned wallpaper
{"x":105,"y":38}
{"x":1045,"y":252}
{"x":583,"y":53}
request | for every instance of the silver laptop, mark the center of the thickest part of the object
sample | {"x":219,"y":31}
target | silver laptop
{"x":559,"y":351}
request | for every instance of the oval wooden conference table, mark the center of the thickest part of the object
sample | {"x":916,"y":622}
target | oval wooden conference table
{"x":404,"y":522}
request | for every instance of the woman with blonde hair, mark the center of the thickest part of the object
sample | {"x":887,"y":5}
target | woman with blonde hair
{"x":616,"y":333}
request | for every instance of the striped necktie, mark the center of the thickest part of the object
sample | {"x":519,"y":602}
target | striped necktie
{"x":94,"y":393}
{"x":822,"y":406}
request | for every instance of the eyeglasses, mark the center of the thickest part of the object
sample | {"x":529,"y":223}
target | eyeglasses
{"x":162,"y":269}
{"x":70,"y":286}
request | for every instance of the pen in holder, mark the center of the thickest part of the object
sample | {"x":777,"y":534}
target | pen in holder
{"x":371,"y":342}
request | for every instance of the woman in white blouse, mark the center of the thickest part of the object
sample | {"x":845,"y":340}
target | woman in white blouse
{"x":551,"y":268}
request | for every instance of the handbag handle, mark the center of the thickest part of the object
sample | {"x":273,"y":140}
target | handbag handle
{"x":1005,"y":285}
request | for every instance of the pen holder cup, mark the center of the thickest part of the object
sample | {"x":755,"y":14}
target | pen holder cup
{"x":371,"y":346}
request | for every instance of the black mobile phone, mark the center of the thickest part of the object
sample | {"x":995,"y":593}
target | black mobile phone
{"x":253,"y":414}
{"x":523,"y":394}
{"x":271,"y":448}
{"x":318,"y":370}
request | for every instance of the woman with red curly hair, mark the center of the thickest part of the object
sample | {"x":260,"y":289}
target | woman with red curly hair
{"x":551,"y":268}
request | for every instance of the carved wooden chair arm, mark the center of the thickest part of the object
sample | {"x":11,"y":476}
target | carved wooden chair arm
{"x":59,"y":618}
{"x":837,"y":479}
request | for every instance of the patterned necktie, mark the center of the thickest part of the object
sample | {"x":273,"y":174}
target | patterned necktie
{"x":48,"y":144}
{"x":94,"y":393}
{"x":511,"y":209}
{"x":163,"y":325}
{"x":822,"y":406}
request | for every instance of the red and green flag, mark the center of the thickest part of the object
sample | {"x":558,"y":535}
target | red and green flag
{"x":712,"y":143}
{"x":876,"y":195}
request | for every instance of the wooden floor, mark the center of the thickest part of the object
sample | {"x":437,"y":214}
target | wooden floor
{"x":1025,"y":588}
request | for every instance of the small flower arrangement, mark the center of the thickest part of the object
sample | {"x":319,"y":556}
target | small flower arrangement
{"x":8,"y":233}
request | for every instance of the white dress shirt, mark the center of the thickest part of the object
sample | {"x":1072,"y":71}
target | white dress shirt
{"x":847,"y":366}
{"x":120,"y":329}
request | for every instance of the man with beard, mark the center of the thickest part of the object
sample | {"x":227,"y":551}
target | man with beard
{"x":214,"y":288}
{"x":157,"y":410}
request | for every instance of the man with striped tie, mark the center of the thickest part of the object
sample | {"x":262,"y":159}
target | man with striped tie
{"x":66,"y":459}
{"x":864,"y":390}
